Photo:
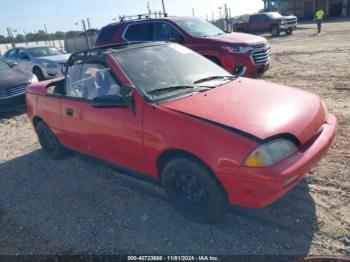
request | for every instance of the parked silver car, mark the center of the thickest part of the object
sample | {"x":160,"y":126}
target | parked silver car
{"x":45,"y":62}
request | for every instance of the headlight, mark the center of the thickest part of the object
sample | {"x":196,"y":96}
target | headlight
{"x":49,"y":65}
{"x":34,"y":80}
{"x":237,"y":49}
{"x":270,"y":153}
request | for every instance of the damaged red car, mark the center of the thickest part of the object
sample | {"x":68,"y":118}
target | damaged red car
{"x":165,"y":112}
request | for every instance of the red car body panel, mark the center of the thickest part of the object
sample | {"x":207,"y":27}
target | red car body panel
{"x":206,"y":46}
{"x":197,"y":125}
{"x":253,"y":99}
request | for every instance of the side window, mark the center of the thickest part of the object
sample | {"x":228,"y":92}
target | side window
{"x":107,"y":34}
{"x":90,"y":80}
{"x":11,"y":53}
{"x":139,"y":32}
{"x":22,"y":53}
{"x":164,"y":31}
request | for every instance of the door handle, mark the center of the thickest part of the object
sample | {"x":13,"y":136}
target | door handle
{"x":69,"y":112}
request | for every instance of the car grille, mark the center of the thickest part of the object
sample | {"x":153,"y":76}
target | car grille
{"x":261,"y":53}
{"x":290,"y":21}
{"x":12,"y":91}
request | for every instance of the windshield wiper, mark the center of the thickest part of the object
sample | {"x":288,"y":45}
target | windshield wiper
{"x":214,"y":78}
{"x":170,"y":88}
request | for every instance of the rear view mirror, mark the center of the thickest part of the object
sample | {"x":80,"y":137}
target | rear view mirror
{"x":109,"y":101}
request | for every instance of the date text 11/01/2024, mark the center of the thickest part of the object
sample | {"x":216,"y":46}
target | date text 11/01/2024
{"x":173,"y":258}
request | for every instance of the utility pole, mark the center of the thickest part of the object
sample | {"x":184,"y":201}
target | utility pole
{"x":149,"y":9}
{"x":47,"y":35}
{"x":220,"y":17}
{"x":10,"y":34}
{"x":163,"y":7}
{"x":192,"y":11}
{"x":212,"y":16}
{"x":25,"y":36}
{"x":226,"y":18}
{"x":85,"y":32}
{"x":88,"y":22}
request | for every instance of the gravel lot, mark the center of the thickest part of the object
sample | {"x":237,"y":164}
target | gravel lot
{"x":79,"y":206}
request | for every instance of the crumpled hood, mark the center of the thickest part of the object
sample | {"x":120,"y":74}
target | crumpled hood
{"x":238,"y":38}
{"x":258,"y":108}
{"x":56,"y":58}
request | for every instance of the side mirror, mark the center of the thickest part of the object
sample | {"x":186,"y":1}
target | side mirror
{"x":12,"y":63}
{"x":177,"y":39}
{"x":24,"y":56}
{"x":126,"y":92}
{"x":109,"y":101}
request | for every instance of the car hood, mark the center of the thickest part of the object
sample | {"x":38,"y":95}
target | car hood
{"x":238,"y":38}
{"x":257,"y":108}
{"x":14,"y":77}
{"x":56,"y":58}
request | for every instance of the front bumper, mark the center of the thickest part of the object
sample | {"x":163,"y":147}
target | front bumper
{"x":259,"y":187}
{"x":231,"y":62}
{"x":50,"y":73}
{"x":8,"y":104}
{"x":288,"y":26}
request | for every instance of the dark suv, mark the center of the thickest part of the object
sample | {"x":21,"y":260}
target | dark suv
{"x":238,"y":53}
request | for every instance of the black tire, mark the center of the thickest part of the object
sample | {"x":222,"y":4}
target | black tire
{"x":49,"y":142}
{"x":39,"y":74}
{"x":289,"y":31}
{"x":275,"y":31}
{"x":193,"y":191}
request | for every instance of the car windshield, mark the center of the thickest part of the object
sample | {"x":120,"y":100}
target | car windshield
{"x":44,"y":51}
{"x":274,"y":15}
{"x":3,"y":65}
{"x":199,"y":28}
{"x":169,"y":69}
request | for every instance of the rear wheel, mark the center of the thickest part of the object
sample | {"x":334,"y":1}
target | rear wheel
{"x":193,"y":191}
{"x":49,"y":142}
{"x":39,"y":74}
{"x":275,"y":31}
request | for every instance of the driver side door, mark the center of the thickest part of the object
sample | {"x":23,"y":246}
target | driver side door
{"x":111,"y":134}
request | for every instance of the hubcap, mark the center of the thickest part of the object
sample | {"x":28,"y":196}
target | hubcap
{"x":48,"y":140}
{"x":190,"y":191}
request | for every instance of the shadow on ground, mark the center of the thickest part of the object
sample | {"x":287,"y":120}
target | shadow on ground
{"x":12,"y":113}
{"x":80,"y":206}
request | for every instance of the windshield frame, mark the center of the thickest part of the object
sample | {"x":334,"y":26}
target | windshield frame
{"x":186,"y":29}
{"x":30,"y":49}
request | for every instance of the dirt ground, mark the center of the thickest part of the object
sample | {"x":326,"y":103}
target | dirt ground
{"x":79,"y":206}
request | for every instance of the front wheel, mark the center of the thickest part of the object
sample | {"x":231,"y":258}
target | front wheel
{"x":289,"y":31}
{"x":275,"y":31}
{"x":193,"y":191}
{"x":49,"y":142}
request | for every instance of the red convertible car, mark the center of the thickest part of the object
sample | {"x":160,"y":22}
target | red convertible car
{"x":162,"y":110}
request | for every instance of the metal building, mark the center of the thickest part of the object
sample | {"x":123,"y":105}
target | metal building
{"x":305,"y":9}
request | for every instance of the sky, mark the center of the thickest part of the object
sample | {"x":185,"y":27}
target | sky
{"x":62,"y":15}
